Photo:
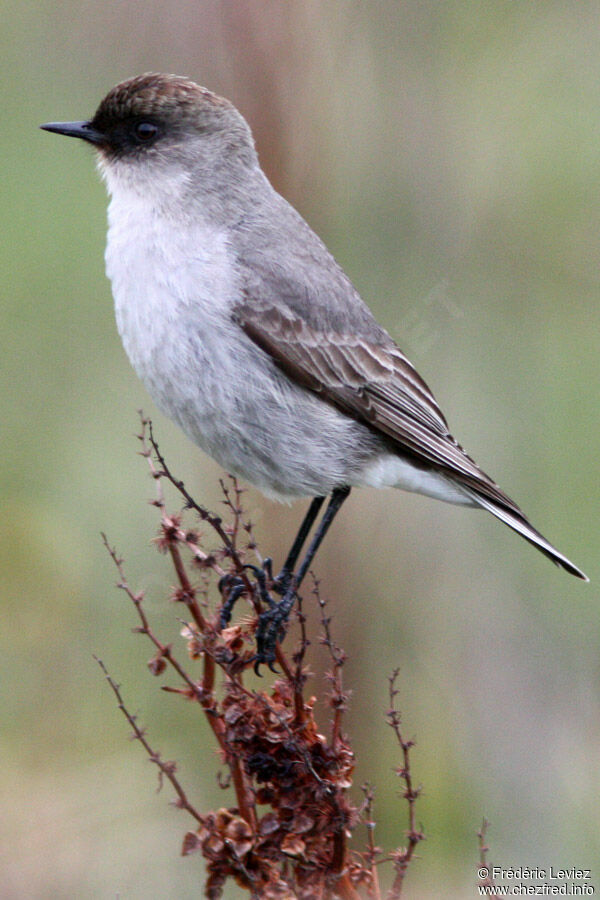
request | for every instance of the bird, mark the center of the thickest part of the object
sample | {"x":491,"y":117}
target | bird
{"x":249,"y":335}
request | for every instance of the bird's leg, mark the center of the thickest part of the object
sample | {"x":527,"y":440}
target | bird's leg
{"x":282,"y":581}
{"x":233,"y":586}
{"x":337,"y":498}
{"x":272,"y":622}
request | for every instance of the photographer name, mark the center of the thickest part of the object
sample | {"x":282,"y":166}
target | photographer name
{"x":526,"y":873}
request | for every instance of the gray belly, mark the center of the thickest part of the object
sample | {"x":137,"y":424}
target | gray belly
{"x":232,"y":401}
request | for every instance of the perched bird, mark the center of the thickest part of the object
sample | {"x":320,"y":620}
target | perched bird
{"x":247,"y":332}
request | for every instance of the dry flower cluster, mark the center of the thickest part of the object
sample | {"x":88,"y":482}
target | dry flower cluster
{"x":287,"y":834}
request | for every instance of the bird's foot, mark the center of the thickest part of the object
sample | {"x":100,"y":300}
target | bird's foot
{"x":273,"y":619}
{"x":231,"y":588}
{"x":272,"y":624}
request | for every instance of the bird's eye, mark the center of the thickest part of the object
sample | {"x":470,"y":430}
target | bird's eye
{"x":145,"y":131}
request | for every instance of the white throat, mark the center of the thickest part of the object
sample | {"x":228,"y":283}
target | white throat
{"x":168,"y":277}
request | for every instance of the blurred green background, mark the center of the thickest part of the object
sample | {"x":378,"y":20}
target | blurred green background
{"x":448,"y":153}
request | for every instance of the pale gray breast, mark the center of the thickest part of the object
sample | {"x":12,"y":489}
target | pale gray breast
{"x":174,"y":292}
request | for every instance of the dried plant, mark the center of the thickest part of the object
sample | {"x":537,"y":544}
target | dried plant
{"x":484,"y":872}
{"x":287,"y":834}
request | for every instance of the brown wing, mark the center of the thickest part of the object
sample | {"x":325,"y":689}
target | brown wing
{"x":371,"y":381}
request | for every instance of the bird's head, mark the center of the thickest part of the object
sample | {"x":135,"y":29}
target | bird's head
{"x":165,"y":129}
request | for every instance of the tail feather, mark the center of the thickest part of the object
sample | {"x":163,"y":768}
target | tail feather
{"x":518,"y":522}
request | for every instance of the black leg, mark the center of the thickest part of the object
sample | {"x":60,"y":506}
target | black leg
{"x":272,"y":622}
{"x":232,"y":587}
{"x":289,"y":565}
{"x":337,"y":498}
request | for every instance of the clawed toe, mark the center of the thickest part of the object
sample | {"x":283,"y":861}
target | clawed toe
{"x":232,"y":587}
{"x":272,"y":624}
{"x":272,"y":621}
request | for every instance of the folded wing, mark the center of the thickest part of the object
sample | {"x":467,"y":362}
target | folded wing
{"x":375,"y":383}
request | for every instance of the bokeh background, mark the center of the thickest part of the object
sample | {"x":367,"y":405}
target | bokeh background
{"x":449,"y":155}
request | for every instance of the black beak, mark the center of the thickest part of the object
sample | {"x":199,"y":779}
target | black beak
{"x":83,"y":130}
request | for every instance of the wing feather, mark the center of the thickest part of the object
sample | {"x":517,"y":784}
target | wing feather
{"x":373,"y":382}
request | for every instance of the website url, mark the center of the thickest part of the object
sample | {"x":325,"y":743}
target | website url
{"x":536,"y":890}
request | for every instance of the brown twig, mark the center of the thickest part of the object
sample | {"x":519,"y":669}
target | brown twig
{"x":205,"y":515}
{"x":164,"y":650}
{"x":299,"y":676}
{"x":373,"y":852}
{"x":234,"y":506}
{"x":338,"y":698}
{"x":414,"y":835}
{"x":187,"y":594}
{"x":483,"y":848}
{"x":166,"y":769}
{"x":484,"y":868}
{"x":204,"y":693}
{"x":213,"y":520}
{"x":277,"y":757}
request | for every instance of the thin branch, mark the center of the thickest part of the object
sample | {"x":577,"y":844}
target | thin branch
{"x":166,"y":769}
{"x":403,"y":857}
{"x":481,"y":840}
{"x":213,"y":520}
{"x":234,"y":506}
{"x":373,"y":852}
{"x":204,"y":693}
{"x":299,"y":678}
{"x":484,"y":871}
{"x":187,"y":594}
{"x":338,"y":699}
{"x":164,"y":650}
{"x":187,"y":538}
{"x":270,"y":740}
